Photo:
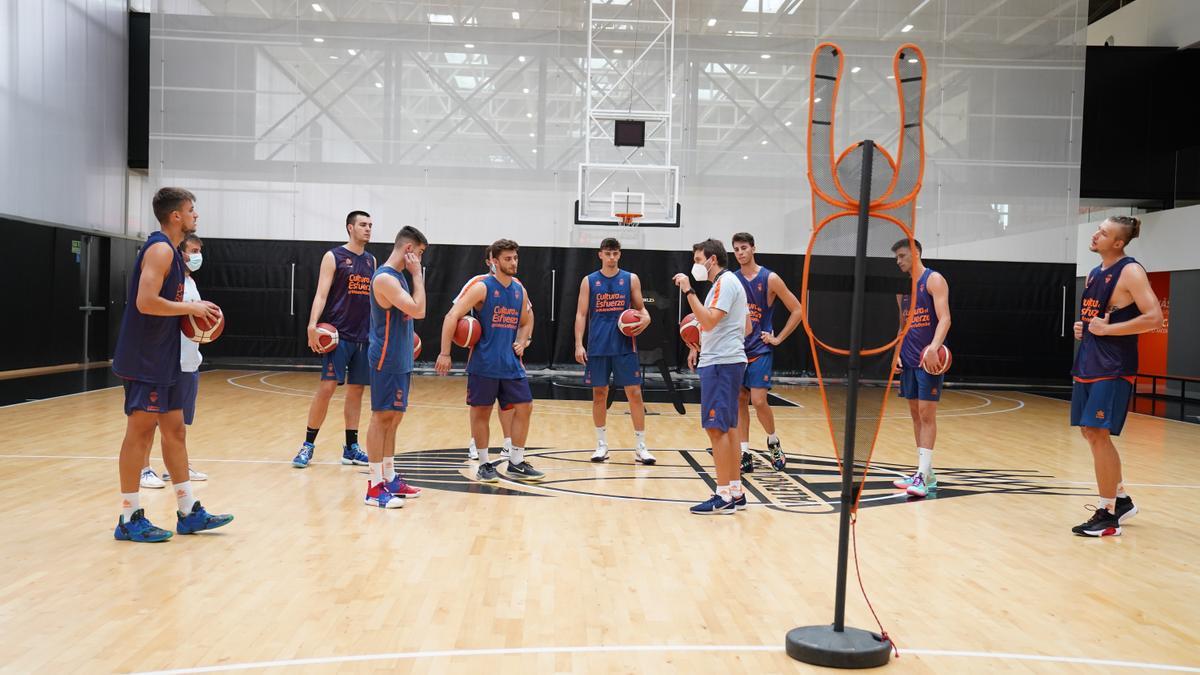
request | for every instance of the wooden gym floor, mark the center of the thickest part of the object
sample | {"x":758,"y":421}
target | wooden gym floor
{"x":601,"y":569}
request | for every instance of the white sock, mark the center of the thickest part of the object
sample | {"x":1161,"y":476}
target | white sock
{"x":772,"y":438}
{"x":1121,"y":494}
{"x":472,"y":447}
{"x":601,"y":435}
{"x":183,"y":497}
{"x":735,"y":488}
{"x":485,"y":454}
{"x":746,"y":446}
{"x":129,"y":504}
{"x":508,"y":443}
{"x":925,"y":457}
{"x":389,"y":468}
{"x":725,"y":492}
{"x":1109,"y":504}
{"x":640,"y":436}
{"x":516,"y":455}
{"x":376,"y":472}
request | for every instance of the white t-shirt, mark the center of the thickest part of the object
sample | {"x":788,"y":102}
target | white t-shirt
{"x":726,"y":342}
{"x":189,"y":352}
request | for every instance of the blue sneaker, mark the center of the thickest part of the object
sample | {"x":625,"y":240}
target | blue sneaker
{"x":353,"y":454}
{"x":399,"y":488}
{"x":739,"y":503}
{"x":716,"y":505}
{"x":303,"y":457}
{"x":199,"y":520}
{"x":140,"y":529}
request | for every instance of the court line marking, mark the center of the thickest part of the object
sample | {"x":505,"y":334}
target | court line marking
{"x":618,"y":649}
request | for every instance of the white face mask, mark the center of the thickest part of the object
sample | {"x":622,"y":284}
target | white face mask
{"x":194,"y":261}
{"x":699,"y":272}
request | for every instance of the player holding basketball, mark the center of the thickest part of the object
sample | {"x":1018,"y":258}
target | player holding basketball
{"x":343,"y":300}
{"x":147,"y":359}
{"x":494,"y":370}
{"x":1118,"y":304}
{"x":926,"y":334}
{"x":189,"y":363}
{"x":762,"y":288}
{"x":724,"y":324}
{"x":505,"y":415}
{"x":393,"y":310}
{"x":603,"y":296}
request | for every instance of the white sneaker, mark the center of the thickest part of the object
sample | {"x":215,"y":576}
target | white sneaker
{"x":151,"y":480}
{"x":641,"y":454}
{"x":601,"y":452}
{"x":192,"y":474}
{"x":472,"y":453}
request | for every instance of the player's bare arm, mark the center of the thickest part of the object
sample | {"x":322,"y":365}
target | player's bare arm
{"x":1133,"y":286}
{"x":939,"y":290}
{"x":776,"y":289}
{"x":473,"y":296}
{"x":635,"y":297}
{"x":155,"y":264}
{"x":324,"y":281}
{"x":708,"y":317}
{"x":581,"y":312}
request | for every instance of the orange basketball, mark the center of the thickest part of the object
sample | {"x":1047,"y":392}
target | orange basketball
{"x":416,"y":346}
{"x":200,"y":329}
{"x":944,"y":360}
{"x":466,"y":333}
{"x":327,"y":337}
{"x":689,"y":331}
{"x":629,"y":320}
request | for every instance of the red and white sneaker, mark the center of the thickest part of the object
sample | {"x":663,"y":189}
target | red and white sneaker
{"x":379,"y":495}
{"x":399,"y":488}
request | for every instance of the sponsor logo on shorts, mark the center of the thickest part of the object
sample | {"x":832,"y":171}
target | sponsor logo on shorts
{"x":154,"y":397}
{"x":712,"y":413}
{"x":1099,"y":414}
{"x":933,"y":392}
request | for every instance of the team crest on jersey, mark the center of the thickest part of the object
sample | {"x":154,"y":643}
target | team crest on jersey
{"x":620,"y":282}
{"x":346,"y":262}
{"x":1107,"y":278}
{"x":597,"y":283}
{"x":495,"y":294}
{"x":760,"y":288}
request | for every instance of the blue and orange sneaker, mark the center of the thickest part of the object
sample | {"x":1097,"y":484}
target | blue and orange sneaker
{"x":303,"y":457}
{"x":378,"y":495}
{"x":199,"y":520}
{"x":354,"y":454}
{"x":140,"y":529}
{"x":399,"y":488}
{"x":716,"y":505}
{"x":739,"y":502}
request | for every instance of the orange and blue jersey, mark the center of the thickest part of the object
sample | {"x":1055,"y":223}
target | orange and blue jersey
{"x":1105,"y":356}
{"x":348,"y":306}
{"x":391,"y":341}
{"x":924,"y":323}
{"x":608,"y":297}
{"x":499,"y":319}
{"x":761,"y":310}
{"x":148,"y":346}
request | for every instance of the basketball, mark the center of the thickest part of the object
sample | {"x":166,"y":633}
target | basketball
{"x":944,"y":360}
{"x":200,"y":329}
{"x":416,"y":346}
{"x":689,"y":331}
{"x":327,"y":337}
{"x":466,"y":333}
{"x":629,"y":321}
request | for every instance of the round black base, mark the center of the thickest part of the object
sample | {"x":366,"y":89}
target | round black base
{"x":852,"y":648}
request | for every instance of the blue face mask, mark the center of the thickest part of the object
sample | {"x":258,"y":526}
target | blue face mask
{"x":194,"y":261}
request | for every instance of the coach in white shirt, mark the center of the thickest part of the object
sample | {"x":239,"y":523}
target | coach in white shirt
{"x":189,"y":361}
{"x":721,"y":362}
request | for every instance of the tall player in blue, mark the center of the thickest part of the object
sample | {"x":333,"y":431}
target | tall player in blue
{"x":147,"y":359}
{"x":763,"y":288}
{"x":393,"y":310}
{"x":343,"y":300}
{"x":603,"y":296}
{"x":926,"y":334}
{"x":1118,"y":304}
{"x":494,"y":368}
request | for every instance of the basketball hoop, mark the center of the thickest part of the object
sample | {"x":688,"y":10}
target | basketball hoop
{"x":627,"y":219}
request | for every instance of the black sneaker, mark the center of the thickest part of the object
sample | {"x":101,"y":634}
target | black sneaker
{"x":747,"y":463}
{"x":1103,"y":523}
{"x":1126,"y":509}
{"x":524,"y":471}
{"x":487,"y":473}
{"x":778,"y":459}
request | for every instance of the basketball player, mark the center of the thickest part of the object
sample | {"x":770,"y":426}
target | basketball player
{"x":393,"y":310}
{"x":147,"y":359}
{"x":494,"y":369}
{"x":724,"y":324}
{"x":603,"y":296}
{"x":762,"y":288}
{"x":343,"y":300}
{"x":926,"y":334}
{"x":1118,"y":304}
{"x":505,"y":415}
{"x":189,"y":363}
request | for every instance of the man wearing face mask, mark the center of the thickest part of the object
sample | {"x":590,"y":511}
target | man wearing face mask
{"x":189,"y":363}
{"x":721,"y":362}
